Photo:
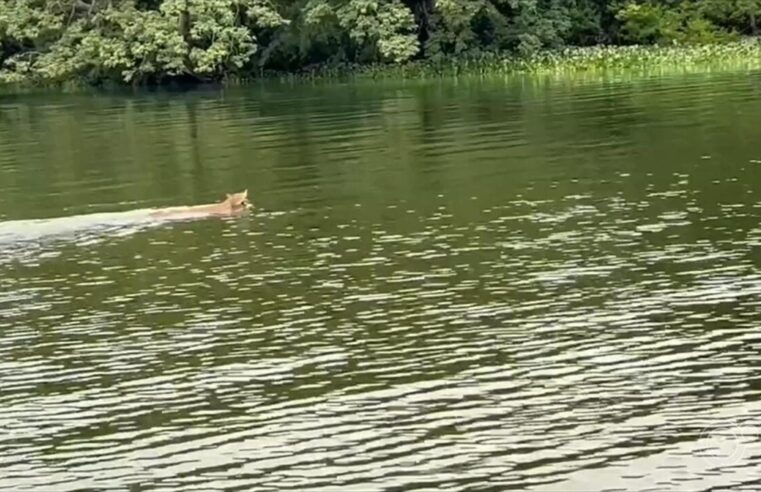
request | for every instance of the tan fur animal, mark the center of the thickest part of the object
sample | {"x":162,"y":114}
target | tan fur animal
{"x":232,"y":206}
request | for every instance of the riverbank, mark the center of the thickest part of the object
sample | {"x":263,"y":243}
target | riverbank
{"x":595,"y":61}
{"x":740,"y":55}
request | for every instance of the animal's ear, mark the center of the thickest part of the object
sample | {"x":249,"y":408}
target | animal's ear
{"x":228,"y":196}
{"x":245,"y":193}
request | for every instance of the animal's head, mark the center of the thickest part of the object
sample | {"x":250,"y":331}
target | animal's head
{"x":239,"y":201}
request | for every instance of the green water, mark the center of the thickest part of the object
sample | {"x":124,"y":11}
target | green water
{"x":523,"y":284}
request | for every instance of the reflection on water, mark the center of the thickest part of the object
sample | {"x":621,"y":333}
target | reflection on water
{"x":475,"y":286}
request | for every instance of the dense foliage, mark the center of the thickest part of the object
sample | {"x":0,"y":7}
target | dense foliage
{"x":152,"y":40}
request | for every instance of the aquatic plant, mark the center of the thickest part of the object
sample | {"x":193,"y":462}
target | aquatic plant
{"x":745,"y":54}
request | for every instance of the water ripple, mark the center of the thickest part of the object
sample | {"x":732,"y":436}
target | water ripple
{"x":487,"y":287}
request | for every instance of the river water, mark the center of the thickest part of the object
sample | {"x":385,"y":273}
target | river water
{"x":525,"y":284}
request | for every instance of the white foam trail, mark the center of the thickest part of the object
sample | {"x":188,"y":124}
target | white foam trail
{"x":35,"y":230}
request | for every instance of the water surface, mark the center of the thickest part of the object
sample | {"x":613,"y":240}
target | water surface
{"x":524,"y":284}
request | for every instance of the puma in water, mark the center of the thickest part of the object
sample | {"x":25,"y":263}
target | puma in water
{"x":234,"y":205}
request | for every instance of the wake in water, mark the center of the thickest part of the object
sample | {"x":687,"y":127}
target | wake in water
{"x":22,"y":239}
{"x":26,"y":237}
{"x":41,"y":230}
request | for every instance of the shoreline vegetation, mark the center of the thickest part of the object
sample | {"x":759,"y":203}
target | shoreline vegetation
{"x":636,"y":59}
{"x":160,"y":42}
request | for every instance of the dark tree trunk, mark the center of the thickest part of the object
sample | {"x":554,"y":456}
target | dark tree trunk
{"x":423,"y":10}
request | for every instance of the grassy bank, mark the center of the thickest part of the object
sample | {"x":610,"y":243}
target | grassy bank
{"x":645,"y":60}
{"x":597,"y":61}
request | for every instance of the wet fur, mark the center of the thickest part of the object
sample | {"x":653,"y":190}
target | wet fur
{"x":232,"y":206}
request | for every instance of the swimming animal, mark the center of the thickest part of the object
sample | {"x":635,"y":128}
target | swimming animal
{"x":232,"y":206}
{"x":26,"y":237}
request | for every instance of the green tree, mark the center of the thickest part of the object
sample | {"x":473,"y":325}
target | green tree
{"x":152,"y":40}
